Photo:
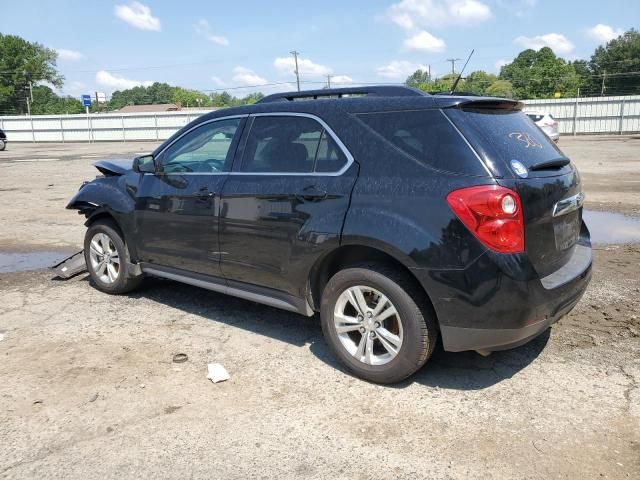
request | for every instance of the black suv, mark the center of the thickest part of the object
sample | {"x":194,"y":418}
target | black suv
{"x":397,"y":215}
{"x":3,"y":140}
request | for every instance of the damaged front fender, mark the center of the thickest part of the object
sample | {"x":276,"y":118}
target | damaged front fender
{"x":112,"y":196}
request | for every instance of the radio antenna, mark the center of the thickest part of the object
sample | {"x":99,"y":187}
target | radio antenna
{"x":455,"y":84}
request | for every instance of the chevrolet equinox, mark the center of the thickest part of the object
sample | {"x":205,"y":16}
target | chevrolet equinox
{"x":399,"y":216}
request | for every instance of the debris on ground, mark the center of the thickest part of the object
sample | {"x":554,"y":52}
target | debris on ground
{"x":93,"y":398}
{"x":71,"y":266}
{"x":217,"y":373}
{"x":180,"y":358}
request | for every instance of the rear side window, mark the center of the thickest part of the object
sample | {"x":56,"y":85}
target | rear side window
{"x":290,"y":144}
{"x":428,"y":137}
{"x":505,"y":134}
{"x":535,"y":117}
{"x":330,"y":157}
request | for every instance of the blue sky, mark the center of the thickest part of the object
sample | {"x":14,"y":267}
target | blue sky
{"x":207,"y":45}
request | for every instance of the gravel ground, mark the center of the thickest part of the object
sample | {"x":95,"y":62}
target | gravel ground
{"x":89,"y":389}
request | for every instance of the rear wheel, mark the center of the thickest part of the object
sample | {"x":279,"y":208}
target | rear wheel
{"x":377,"y":323}
{"x":107,"y":259}
{"x":3,"y":145}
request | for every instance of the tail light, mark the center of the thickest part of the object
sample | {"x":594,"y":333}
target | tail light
{"x":493,"y":214}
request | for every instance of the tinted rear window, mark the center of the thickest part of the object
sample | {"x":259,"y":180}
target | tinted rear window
{"x":427,"y":136}
{"x":505,"y":135}
{"x":535,"y":117}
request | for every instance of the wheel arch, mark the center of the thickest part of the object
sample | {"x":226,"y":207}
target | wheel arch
{"x":354,"y":254}
{"x":105,"y":214}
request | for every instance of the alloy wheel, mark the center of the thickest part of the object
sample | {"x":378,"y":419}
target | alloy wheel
{"x":105,"y":261}
{"x":368,"y":325}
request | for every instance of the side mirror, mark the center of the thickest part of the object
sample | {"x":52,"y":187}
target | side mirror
{"x":144,"y":164}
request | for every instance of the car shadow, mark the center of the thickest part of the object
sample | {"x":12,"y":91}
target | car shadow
{"x":447,"y":370}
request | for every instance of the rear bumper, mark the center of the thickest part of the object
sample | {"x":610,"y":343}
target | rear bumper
{"x":496,"y":305}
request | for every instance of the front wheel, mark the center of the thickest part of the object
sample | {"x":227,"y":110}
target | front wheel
{"x":377,"y":322}
{"x":3,"y":145}
{"x":107,"y":259}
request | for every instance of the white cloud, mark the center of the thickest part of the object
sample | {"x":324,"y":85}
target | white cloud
{"x":117,"y":82}
{"x":411,"y":14}
{"x":425,"y":42}
{"x":69,"y":55}
{"x":137,"y":15}
{"x":218,"y":82}
{"x":501,"y":63}
{"x":556,"y":41}
{"x":519,"y":8}
{"x":604,"y":33}
{"x":75,"y":89}
{"x":305,"y":66}
{"x":341,"y":79}
{"x":204,"y":30}
{"x":399,"y":69}
{"x":246,"y":77}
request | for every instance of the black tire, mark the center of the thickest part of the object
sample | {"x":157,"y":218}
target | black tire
{"x":3,"y":145}
{"x":125,"y":280}
{"x":419,"y":326}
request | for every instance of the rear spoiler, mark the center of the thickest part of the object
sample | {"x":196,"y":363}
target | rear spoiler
{"x":490,"y":104}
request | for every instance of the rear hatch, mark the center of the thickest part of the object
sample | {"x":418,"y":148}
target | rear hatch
{"x":522,"y":158}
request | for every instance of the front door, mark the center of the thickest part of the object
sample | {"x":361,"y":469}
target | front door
{"x":289,"y":194}
{"x":177,"y":208}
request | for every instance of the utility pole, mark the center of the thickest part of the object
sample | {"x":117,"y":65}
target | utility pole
{"x":28,"y":107}
{"x":31,"y":90}
{"x":453,"y":64}
{"x":429,"y":73}
{"x":295,"y":56}
{"x":328,"y":81}
{"x":603,"y":87}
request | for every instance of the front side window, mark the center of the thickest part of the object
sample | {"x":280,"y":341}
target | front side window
{"x":207,"y":149}
{"x":290,"y":144}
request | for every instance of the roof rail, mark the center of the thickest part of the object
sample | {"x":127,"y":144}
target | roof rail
{"x":371,"y":91}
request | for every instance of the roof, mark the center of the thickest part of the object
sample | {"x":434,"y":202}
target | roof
{"x":160,"y":107}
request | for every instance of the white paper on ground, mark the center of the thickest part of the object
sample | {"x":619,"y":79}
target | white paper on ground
{"x":217,"y":373}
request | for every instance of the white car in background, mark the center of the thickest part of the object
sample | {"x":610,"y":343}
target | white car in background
{"x":546,"y":122}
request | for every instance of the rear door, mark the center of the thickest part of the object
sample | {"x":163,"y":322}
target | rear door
{"x":524,"y":159}
{"x":287,"y":196}
{"x":177,"y":207}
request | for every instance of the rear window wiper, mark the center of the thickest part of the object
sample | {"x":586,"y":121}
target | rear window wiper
{"x":550,"y":164}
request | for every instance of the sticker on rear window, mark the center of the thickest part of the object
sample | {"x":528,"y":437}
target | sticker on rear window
{"x":526,"y":138}
{"x":519,"y":169}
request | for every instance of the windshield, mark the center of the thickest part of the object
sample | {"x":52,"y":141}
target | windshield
{"x":504,"y":136}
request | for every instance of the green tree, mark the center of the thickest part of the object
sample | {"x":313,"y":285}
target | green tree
{"x":418,"y":79}
{"x":223,"y":99}
{"x":21,"y":63}
{"x":189,"y":98}
{"x":46,"y":102}
{"x":252,"y":98}
{"x":478,"y":82}
{"x":500,"y":88}
{"x":583,"y":72}
{"x":615,"y":63}
{"x":444,"y":84}
{"x":540,"y":75}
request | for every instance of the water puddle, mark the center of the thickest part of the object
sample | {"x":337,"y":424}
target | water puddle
{"x":24,"y":261}
{"x":612,"y":228}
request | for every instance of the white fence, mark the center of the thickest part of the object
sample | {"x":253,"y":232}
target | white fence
{"x":594,"y":115}
{"x":612,"y":115}
{"x":119,"y":127}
